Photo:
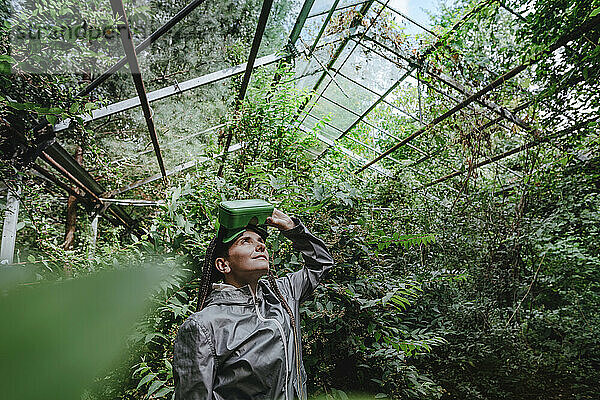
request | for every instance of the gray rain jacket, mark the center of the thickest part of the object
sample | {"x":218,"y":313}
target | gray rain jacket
{"x":241,"y":345}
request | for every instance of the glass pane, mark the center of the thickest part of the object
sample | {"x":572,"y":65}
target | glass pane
{"x":338,"y":117}
{"x":371,"y":69}
{"x":339,"y":21}
{"x":352,"y":97}
{"x":182,"y":124}
{"x":326,"y":130}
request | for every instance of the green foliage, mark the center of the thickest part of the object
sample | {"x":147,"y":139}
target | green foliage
{"x":64,"y":334}
{"x":485,"y":287}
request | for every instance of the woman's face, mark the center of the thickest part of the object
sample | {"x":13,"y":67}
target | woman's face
{"x":247,"y":261}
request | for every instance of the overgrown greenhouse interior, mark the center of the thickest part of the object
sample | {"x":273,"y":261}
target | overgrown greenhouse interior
{"x":446,"y":151}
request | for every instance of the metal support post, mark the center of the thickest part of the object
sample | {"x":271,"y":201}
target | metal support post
{"x":9,"y":229}
{"x":127,"y":40}
{"x":92,"y":250}
{"x":260,"y":30}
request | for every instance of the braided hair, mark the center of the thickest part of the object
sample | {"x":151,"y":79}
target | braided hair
{"x":210,"y":275}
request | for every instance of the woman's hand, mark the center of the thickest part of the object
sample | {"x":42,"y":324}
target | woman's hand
{"x":280,"y":220}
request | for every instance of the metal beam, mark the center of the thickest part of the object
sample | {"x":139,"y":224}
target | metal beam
{"x":127,"y":40}
{"x":48,"y":176}
{"x":323,"y":26}
{"x":68,"y":163}
{"x":406,"y":17}
{"x":142,"y":46}
{"x":516,"y":150}
{"x":448,"y":81}
{"x":76,"y":182}
{"x":121,"y":217}
{"x":260,"y":30}
{"x":180,"y":168}
{"x":297,"y":29}
{"x":373,"y":126}
{"x":135,"y":202}
{"x":170,"y":91}
{"x":131,"y":202}
{"x":493,"y":85}
{"x":510,"y":10}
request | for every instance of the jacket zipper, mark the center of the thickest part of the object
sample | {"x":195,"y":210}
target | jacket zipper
{"x":283,"y":339}
{"x":300,"y":392}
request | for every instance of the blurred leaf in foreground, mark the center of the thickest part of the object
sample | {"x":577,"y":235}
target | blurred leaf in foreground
{"x":56,"y":338}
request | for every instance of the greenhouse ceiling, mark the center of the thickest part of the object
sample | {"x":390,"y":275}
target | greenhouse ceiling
{"x":355,"y":57}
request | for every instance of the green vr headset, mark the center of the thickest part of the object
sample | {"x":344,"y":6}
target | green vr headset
{"x":235,"y":217}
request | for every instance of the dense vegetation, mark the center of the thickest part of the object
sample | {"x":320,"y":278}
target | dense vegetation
{"x":486,"y":286}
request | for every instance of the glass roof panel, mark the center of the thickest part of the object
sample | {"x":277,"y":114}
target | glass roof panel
{"x":179,"y":143}
{"x":222,"y":45}
{"x":352,"y":97}
{"x":322,"y":7}
{"x":317,"y":62}
{"x":307,"y":81}
{"x":339,"y":117}
{"x":338,"y":22}
{"x":326,"y":129}
{"x":359,"y":101}
{"x":371,"y":69}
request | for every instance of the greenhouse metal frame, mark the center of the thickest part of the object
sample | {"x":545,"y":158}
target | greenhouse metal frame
{"x":330,"y":72}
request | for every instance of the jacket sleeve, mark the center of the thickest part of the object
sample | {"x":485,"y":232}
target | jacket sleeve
{"x":193,"y":363}
{"x":316,"y":257}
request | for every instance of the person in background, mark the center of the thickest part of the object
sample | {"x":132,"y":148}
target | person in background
{"x":244,"y":340}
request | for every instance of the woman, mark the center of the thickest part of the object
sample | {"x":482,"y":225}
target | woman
{"x":244,"y":341}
